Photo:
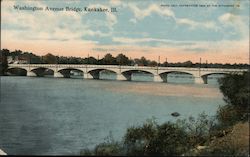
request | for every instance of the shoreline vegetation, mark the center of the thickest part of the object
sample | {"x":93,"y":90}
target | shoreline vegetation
{"x":226,"y":134}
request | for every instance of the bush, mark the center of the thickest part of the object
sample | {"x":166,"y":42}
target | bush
{"x":229,"y":115}
{"x":153,"y":139}
{"x":199,"y":130}
{"x":169,"y":140}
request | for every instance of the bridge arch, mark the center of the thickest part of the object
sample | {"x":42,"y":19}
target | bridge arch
{"x":67,"y":72}
{"x":175,"y":71}
{"x":95,"y":73}
{"x":206,"y":75}
{"x":17,"y":71}
{"x":128,"y":73}
{"x":164,"y":75}
{"x":42,"y":71}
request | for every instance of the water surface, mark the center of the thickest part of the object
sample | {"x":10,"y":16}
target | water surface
{"x":57,"y":116}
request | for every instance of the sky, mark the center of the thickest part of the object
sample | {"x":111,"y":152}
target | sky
{"x":150,"y":28}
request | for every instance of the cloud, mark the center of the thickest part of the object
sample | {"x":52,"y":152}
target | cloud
{"x":162,"y":42}
{"x":195,"y":49}
{"x":47,"y":25}
{"x":238,"y":23}
{"x":115,"y":2}
{"x":153,"y":8}
{"x":140,"y":14}
{"x":135,"y":40}
{"x":111,"y":18}
{"x":194,"y":24}
{"x":133,"y":20}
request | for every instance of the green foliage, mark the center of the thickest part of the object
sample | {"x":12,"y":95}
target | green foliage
{"x":137,"y":139}
{"x":154,"y":139}
{"x":108,"y":148}
{"x":50,"y":59}
{"x":3,"y":61}
{"x":109,"y":59}
{"x":236,"y":91}
{"x":169,"y":140}
{"x":228,"y":115}
{"x":121,"y":59}
{"x":199,"y":130}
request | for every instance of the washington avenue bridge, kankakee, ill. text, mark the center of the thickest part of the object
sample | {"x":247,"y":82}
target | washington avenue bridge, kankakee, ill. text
{"x":123,"y":72}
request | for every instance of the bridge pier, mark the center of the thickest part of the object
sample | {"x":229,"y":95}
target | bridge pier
{"x":87,"y":76}
{"x":121,"y":77}
{"x":31,"y":74}
{"x":58,"y":74}
{"x":199,"y":80}
{"x":157,"y":78}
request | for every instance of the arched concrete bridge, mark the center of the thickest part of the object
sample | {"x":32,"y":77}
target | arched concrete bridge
{"x":123,"y":72}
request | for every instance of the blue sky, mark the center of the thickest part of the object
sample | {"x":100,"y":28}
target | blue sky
{"x":139,"y":28}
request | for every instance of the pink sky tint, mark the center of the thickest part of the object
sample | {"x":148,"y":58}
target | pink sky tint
{"x":224,"y":53}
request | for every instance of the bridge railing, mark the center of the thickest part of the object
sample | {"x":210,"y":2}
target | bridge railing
{"x":125,"y":67}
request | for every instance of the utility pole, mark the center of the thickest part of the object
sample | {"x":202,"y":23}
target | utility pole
{"x":200,"y":68}
{"x":158,"y":64}
{"x":56,"y":64}
{"x":88,"y":59}
{"x":166,"y":62}
{"x":29,"y":61}
{"x":159,"y":58}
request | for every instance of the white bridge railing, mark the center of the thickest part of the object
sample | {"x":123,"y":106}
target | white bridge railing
{"x":124,"y":67}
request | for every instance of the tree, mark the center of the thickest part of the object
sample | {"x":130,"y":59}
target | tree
{"x":121,"y":59}
{"x":236,"y":91}
{"x":50,"y":59}
{"x":142,"y":61}
{"x":91,"y":60}
{"x":187,"y":64}
{"x":3,"y":61}
{"x":109,"y":59}
{"x":152,"y":63}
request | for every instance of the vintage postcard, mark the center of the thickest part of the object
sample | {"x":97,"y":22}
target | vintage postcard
{"x":124,"y":77}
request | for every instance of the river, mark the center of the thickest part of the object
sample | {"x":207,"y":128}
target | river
{"x":59,"y":116}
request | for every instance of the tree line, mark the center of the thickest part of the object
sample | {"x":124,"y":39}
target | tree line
{"x":108,"y":59}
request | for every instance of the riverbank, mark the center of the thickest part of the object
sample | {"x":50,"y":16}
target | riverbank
{"x":236,"y":141}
